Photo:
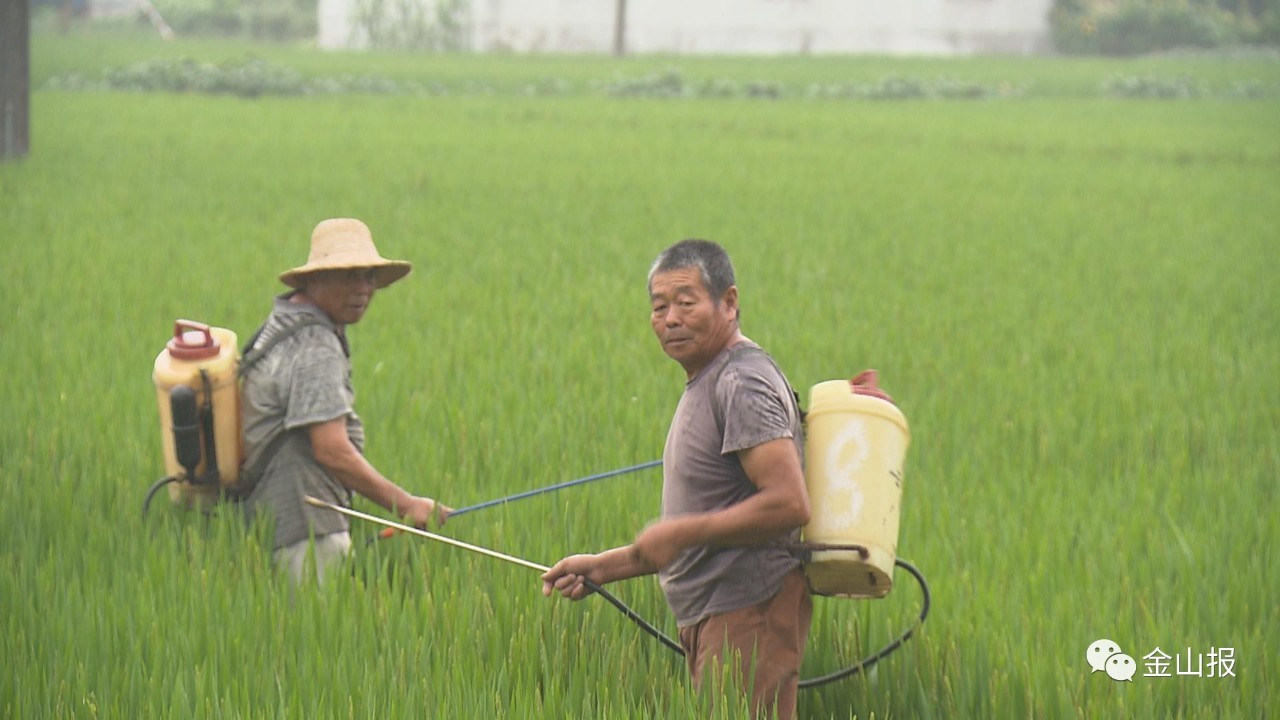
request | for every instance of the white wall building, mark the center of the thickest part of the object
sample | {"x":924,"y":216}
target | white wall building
{"x":919,"y":27}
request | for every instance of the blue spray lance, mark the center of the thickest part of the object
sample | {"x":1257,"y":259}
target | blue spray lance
{"x":393,"y":527}
{"x":558,"y":486}
{"x":539,"y":491}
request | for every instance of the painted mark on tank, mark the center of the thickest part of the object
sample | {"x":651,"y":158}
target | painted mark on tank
{"x":846,"y":455}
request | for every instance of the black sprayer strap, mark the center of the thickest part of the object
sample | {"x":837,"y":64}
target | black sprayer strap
{"x":251,"y":356}
{"x":210,"y":434}
{"x":249,"y":477}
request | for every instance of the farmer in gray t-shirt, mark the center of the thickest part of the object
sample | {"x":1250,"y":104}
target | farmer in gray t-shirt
{"x":733,"y":490}
{"x":300,"y":425}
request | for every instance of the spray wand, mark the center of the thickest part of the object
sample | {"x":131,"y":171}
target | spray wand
{"x":395,"y":526}
{"x":860,"y":666}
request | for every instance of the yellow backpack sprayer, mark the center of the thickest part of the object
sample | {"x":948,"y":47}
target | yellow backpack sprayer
{"x":197,"y":378}
{"x":855,"y":443}
{"x":199,"y":396}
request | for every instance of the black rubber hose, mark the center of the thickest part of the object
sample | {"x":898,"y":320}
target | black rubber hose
{"x":887,"y":650}
{"x":858,"y":667}
{"x":644,"y":624}
{"x":154,"y":488}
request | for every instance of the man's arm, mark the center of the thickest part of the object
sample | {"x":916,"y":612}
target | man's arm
{"x":335,"y":452}
{"x":781,"y":505}
{"x":620,"y":563}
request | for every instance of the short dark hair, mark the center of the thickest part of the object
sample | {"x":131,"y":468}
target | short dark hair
{"x":711,"y":260}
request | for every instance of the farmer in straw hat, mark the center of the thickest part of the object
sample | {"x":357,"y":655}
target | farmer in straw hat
{"x":302,"y":434}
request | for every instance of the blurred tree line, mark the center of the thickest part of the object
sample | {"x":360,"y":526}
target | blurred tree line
{"x":266,"y":19}
{"x":1132,"y":27}
{"x":395,"y":24}
{"x":430,"y":25}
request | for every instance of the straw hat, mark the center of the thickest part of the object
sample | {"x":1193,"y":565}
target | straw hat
{"x":341,"y":244}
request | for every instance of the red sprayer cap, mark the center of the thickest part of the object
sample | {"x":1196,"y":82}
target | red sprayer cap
{"x":192,"y":341}
{"x":864,"y":383}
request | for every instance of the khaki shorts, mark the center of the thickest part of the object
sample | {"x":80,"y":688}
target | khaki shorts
{"x":772,"y":632}
{"x":329,"y":552}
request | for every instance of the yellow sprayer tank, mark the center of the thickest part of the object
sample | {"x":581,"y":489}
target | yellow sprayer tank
{"x":855,"y":443}
{"x":204,"y":359}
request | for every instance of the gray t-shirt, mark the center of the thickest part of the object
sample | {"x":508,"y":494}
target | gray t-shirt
{"x":304,"y":380}
{"x":701,"y":473}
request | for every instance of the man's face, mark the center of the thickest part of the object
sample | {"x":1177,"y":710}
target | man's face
{"x":691,"y":325}
{"x":344,"y":295}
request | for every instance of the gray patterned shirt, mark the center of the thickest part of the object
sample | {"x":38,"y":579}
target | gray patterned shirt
{"x":304,"y":380}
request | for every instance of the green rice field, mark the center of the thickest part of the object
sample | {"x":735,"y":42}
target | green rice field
{"x":1072,"y":293}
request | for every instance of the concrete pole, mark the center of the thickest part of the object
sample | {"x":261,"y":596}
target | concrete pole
{"x":15,"y":78}
{"x":620,"y":29}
